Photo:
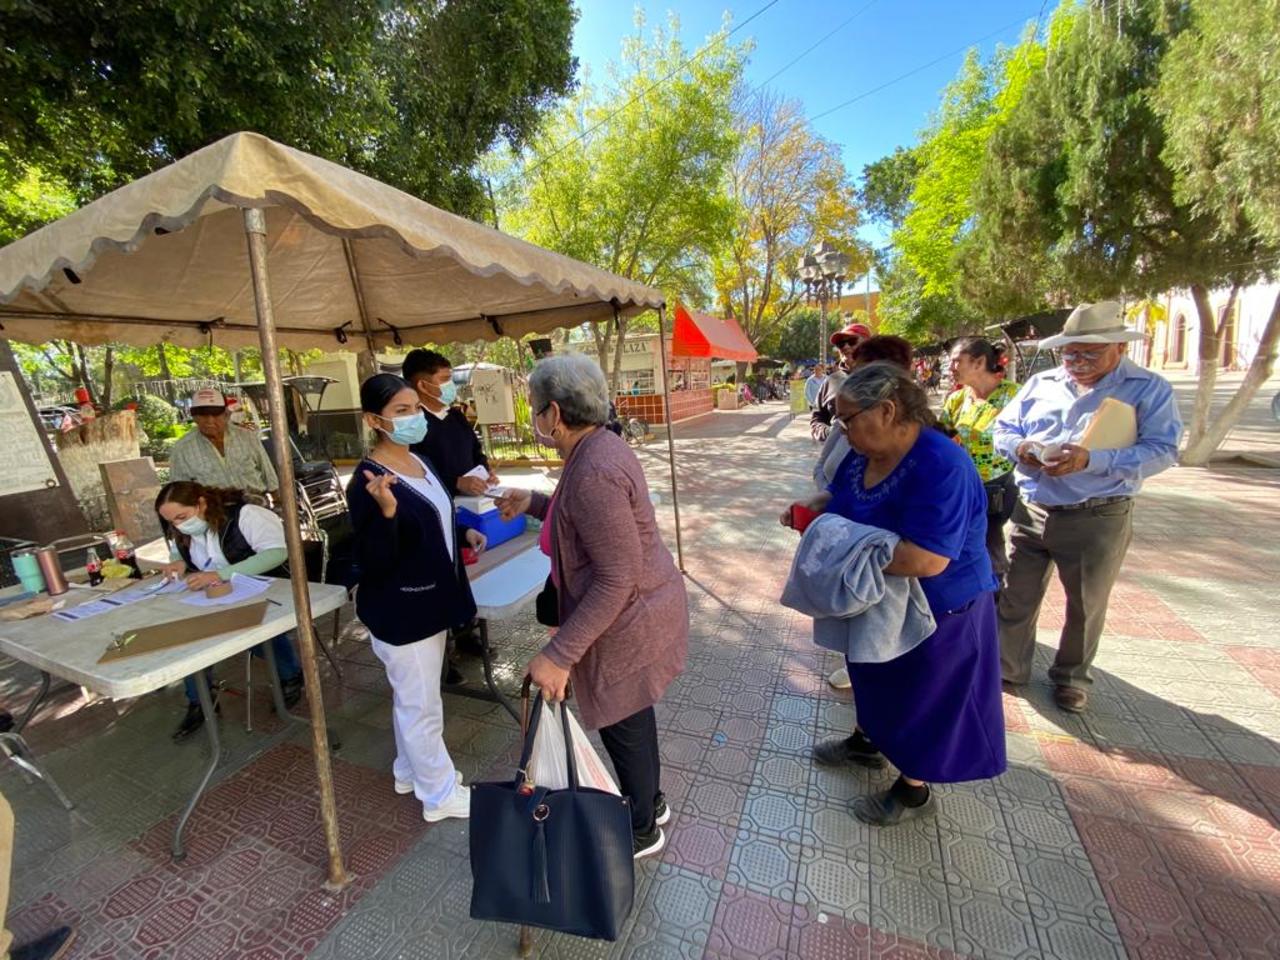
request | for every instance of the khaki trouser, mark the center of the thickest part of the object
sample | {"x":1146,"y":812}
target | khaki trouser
{"x":1087,"y":546}
{"x":6,"y":865}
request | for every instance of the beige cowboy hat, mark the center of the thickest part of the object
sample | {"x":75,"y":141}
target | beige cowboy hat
{"x":1101,"y":322}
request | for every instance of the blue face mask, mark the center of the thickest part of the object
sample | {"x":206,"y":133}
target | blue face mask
{"x":192,"y":526}
{"x":448,"y":393}
{"x":407,"y":430}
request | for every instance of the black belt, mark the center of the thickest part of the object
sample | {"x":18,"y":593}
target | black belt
{"x":1086,"y":505}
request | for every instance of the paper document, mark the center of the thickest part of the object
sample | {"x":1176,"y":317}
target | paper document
{"x":243,"y":587}
{"x":1114,"y":426}
{"x":121,"y":598}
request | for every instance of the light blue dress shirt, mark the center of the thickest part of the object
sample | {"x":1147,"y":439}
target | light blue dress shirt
{"x":1052,"y":408}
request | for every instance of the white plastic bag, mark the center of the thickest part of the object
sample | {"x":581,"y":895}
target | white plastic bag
{"x":548,"y":766}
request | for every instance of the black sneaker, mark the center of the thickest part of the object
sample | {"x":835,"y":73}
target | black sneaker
{"x":193,"y":721}
{"x":886,"y":809}
{"x":647,"y":844}
{"x":52,"y":946}
{"x":292,"y":691}
{"x":661,"y":812}
{"x":840,"y":752}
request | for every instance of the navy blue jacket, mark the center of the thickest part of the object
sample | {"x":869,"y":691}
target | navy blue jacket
{"x":409,"y":589}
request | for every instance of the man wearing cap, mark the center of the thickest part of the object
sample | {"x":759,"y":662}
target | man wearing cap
{"x":219,"y":455}
{"x":1075,"y":506}
{"x":845,"y":341}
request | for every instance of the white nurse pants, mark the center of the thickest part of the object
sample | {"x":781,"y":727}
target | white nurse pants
{"x":417,"y":717}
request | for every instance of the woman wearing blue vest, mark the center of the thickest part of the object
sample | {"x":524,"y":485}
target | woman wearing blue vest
{"x":412,"y":587}
{"x":216,"y":534}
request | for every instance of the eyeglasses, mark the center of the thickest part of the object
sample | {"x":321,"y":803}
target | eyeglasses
{"x":844,"y":423}
{"x":1085,"y":356}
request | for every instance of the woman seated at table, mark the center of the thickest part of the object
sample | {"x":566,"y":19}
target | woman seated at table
{"x":935,"y":712}
{"x":622,"y":609}
{"x":216,"y":534}
{"x":412,"y":588}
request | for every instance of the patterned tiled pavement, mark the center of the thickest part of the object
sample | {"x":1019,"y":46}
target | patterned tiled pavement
{"x":1148,"y":828}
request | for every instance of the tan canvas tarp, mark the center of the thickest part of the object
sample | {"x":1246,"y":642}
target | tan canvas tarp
{"x":165,"y":258}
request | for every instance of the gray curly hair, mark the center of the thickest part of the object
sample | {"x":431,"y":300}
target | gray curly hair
{"x":880,"y":381}
{"x":576,"y":384}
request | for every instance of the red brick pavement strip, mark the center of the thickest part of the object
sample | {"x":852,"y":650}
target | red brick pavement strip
{"x":251,"y":884}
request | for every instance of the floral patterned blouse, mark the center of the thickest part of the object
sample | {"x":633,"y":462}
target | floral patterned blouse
{"x":973,"y":419}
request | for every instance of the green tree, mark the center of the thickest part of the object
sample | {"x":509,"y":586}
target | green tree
{"x":887,"y":185}
{"x":1097,"y":198}
{"x":631,"y":177}
{"x":797,"y":336}
{"x":1219,"y":97}
{"x":928,"y":194}
{"x":789,"y":189}
{"x":409,"y":91}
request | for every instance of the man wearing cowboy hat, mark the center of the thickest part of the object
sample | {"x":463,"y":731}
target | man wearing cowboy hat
{"x":845,"y":341}
{"x":1075,"y":506}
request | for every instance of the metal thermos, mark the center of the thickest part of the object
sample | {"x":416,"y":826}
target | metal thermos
{"x":51,"y":568}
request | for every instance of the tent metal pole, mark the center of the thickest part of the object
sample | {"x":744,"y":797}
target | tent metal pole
{"x":349,"y":252}
{"x":255,"y":228}
{"x":671,"y":440}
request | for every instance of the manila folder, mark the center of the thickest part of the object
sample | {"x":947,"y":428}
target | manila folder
{"x":1113,"y":427}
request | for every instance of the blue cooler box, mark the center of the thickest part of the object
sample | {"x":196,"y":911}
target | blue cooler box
{"x":491,"y":524}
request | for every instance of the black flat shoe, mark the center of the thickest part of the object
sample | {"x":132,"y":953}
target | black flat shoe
{"x":292,"y":691}
{"x":887,"y":809}
{"x":52,"y":946}
{"x":846,"y":751}
{"x":193,"y":721}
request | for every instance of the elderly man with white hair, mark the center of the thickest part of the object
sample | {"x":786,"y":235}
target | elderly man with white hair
{"x":1084,"y":436}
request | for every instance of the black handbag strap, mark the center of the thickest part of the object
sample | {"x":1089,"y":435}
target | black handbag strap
{"x":532,"y":731}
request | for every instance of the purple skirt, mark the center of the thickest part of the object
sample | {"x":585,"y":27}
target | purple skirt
{"x":936,"y":712}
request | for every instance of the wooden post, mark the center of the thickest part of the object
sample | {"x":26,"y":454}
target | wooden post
{"x":671,"y":441}
{"x":255,"y":228}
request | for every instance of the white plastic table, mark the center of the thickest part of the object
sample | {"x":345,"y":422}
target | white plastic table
{"x":504,"y":581}
{"x":71,"y":651}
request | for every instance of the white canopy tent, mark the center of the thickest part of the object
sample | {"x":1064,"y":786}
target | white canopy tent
{"x":248,"y":242}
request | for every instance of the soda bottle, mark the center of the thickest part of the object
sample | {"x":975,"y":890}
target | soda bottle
{"x":125,"y":554}
{"x":93,"y":567}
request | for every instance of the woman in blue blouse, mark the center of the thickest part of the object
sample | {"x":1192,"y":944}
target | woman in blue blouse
{"x":935,"y":712}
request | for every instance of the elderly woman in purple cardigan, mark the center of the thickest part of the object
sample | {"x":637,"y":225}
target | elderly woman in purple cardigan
{"x":624,"y":618}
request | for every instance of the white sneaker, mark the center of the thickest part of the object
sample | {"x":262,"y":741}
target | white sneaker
{"x":458,"y":805}
{"x":839,"y":679}
{"x":405,"y":787}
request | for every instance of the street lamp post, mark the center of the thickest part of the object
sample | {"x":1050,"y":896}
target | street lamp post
{"x":823,"y":274}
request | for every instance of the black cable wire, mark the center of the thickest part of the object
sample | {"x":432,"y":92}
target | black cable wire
{"x":919,"y":69}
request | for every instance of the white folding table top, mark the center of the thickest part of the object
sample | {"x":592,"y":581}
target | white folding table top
{"x":509,"y":577}
{"x":71,"y":650}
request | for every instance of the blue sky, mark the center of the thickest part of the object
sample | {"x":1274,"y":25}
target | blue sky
{"x":886,"y":39}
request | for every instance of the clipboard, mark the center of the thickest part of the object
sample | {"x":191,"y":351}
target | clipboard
{"x":175,"y":633}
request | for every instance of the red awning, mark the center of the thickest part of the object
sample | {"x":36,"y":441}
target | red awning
{"x":698,"y":335}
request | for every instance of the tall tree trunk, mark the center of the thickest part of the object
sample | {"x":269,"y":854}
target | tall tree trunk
{"x":163,"y":359}
{"x":1200,"y":449}
{"x":603,"y":340}
{"x":83,"y":371}
{"x":236,"y":363}
{"x":108,"y":371}
{"x":1208,"y":375}
{"x":620,"y":331}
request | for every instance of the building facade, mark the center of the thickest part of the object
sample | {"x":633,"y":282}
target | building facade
{"x":1172,"y":325}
